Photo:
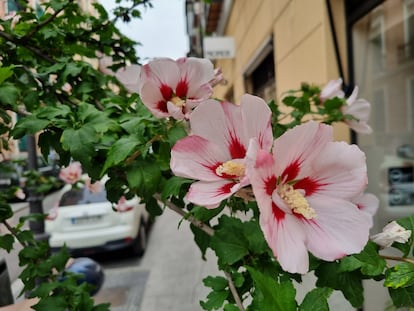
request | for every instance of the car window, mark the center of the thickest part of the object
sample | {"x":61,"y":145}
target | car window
{"x":82,"y":196}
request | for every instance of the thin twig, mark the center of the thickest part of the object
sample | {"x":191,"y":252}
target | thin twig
{"x":396,"y":258}
{"x":44,"y":23}
{"x":14,"y":232}
{"x":234,"y":291}
{"x":207,"y":229}
{"x":210,"y":231}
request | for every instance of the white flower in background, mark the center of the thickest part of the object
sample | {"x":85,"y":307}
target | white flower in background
{"x":360,"y":110}
{"x":391,"y":233}
{"x":331,"y":90}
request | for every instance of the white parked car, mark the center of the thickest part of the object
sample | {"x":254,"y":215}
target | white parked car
{"x":86,"y":222}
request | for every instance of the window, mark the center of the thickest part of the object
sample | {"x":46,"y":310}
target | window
{"x":260,"y":73}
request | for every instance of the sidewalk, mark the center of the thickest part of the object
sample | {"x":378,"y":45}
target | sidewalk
{"x":169,"y":276}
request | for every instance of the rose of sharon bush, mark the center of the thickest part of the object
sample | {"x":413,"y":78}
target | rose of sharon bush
{"x":215,"y":152}
{"x":174,"y":88}
{"x":304,"y":191}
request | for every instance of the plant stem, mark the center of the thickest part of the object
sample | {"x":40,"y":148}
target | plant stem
{"x":210,"y":231}
{"x":14,"y":232}
{"x":207,"y":229}
{"x":234,"y":291}
{"x":396,"y":258}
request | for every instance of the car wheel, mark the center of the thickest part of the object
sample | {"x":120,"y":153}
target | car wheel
{"x":140,"y":243}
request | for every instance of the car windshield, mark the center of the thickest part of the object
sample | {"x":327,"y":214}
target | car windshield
{"x":82,"y":196}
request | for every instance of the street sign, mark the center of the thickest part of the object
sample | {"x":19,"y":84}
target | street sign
{"x":218,"y":47}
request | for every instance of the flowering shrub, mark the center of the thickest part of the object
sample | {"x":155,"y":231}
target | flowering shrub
{"x":267,"y":189}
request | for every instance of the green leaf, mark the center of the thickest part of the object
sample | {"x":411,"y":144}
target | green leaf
{"x":80,"y":142}
{"x":6,"y":242}
{"x":120,"y":151}
{"x":9,"y":94}
{"x":214,"y":300}
{"x":5,"y":211}
{"x":201,"y":238}
{"x":369,"y":261}
{"x":316,"y":300}
{"x":153,"y":207}
{"x":400,"y":275}
{"x":56,"y":303}
{"x":229,"y":307}
{"x":274,"y":296}
{"x":216,"y":283}
{"x":173,"y":186}
{"x":350,"y":283}
{"x":229,"y":241}
{"x":144,"y":177}
{"x":5,"y":73}
{"x":402,"y":297}
{"x":29,"y":125}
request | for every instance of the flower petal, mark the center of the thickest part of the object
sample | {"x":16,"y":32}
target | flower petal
{"x":308,"y":138}
{"x":286,"y":238}
{"x":340,"y":170}
{"x":257,"y":116}
{"x":339,"y":229}
{"x":222,"y":124}
{"x":152,"y":97}
{"x":196,"y":158}
{"x":161,"y":71}
{"x":197,"y":72}
{"x":210,"y":194}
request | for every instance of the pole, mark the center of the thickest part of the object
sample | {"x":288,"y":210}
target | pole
{"x":34,"y":198}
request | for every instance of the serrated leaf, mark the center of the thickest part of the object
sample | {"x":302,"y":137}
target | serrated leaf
{"x":349,"y":283}
{"x":29,"y":125}
{"x":6,"y":242}
{"x":120,"y":151}
{"x":229,"y":242}
{"x":316,"y":300}
{"x":400,"y":275}
{"x":402,"y":297}
{"x":216,"y":283}
{"x":368,"y":260}
{"x":173,"y":186}
{"x":274,"y":296}
{"x":215,"y":300}
{"x":80,"y":142}
{"x":56,"y":303}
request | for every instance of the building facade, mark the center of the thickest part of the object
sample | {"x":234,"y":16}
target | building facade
{"x":370,"y":43}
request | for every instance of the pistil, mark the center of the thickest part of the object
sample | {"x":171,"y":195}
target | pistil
{"x":296,"y":201}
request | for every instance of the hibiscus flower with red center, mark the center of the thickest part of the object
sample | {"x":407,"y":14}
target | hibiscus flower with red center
{"x":174,"y":88}
{"x":306,"y":194}
{"x":214,"y":154}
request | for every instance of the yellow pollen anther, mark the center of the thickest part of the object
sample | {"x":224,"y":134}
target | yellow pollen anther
{"x":296,"y":201}
{"x":177,"y":101}
{"x":230,"y":168}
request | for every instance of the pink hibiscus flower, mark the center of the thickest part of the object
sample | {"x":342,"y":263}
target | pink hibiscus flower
{"x":360,"y":110}
{"x":72,"y":173}
{"x":215,"y":152}
{"x":304,"y":192}
{"x":175,"y":88}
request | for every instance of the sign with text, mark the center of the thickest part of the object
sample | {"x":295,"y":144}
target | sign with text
{"x":218,"y":47}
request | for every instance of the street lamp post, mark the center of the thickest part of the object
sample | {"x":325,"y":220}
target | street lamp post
{"x":34,"y":198}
